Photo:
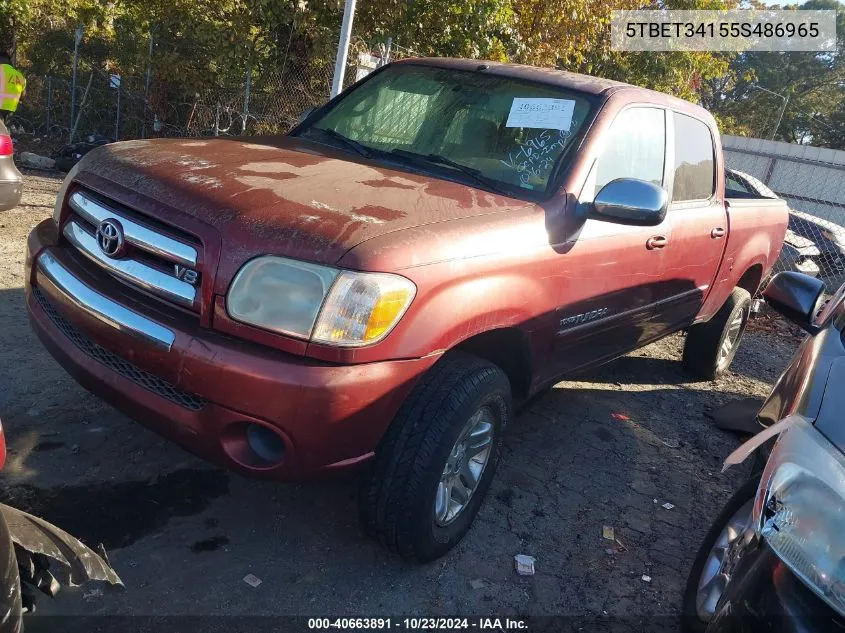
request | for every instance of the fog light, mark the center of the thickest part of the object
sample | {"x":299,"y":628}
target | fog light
{"x":265,"y":443}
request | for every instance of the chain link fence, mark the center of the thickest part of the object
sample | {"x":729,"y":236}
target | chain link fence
{"x":115,"y":108}
{"x":812,"y":181}
{"x":112,"y":106}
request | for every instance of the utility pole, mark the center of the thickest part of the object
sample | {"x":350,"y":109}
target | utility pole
{"x":782,"y":108}
{"x":343,"y":47}
{"x":780,"y":117}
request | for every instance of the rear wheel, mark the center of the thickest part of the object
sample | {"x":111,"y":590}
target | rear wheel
{"x":710,"y":347}
{"x":437,"y":459}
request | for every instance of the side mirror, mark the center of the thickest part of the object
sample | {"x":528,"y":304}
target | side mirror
{"x":631,"y":201}
{"x":305,"y":114}
{"x":796,"y":296}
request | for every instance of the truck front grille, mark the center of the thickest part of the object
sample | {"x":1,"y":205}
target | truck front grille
{"x":134,"y":250}
{"x":142,"y":378}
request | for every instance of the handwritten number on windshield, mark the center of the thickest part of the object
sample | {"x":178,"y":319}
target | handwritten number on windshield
{"x":536,"y":156}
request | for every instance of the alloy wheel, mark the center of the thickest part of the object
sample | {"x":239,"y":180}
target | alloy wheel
{"x":715,"y":575}
{"x":464,"y":467}
{"x":732,"y":337}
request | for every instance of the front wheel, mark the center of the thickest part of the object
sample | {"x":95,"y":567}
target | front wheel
{"x":437,"y":459}
{"x":710,"y":347}
{"x":710,"y":573}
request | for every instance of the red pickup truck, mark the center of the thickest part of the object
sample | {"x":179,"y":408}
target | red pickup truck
{"x":444,"y":239}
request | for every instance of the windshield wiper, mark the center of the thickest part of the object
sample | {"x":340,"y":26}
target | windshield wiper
{"x":437,"y":159}
{"x":360,"y":148}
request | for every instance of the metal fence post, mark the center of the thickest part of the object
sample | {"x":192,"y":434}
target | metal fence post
{"x":147,"y":88}
{"x":76,"y":40}
{"x":769,"y":171}
{"x":117,"y":114}
{"x":81,"y":108}
{"x":247,"y":90}
{"x":49,"y":101}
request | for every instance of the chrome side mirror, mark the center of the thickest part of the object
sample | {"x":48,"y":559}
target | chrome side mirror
{"x":631,"y":201}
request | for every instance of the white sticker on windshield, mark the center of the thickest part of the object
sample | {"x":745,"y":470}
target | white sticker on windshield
{"x":549,"y":114}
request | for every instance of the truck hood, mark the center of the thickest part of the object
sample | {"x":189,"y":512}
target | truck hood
{"x":277,"y":195}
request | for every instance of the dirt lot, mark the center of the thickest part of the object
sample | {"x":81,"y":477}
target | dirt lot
{"x":183,"y":535}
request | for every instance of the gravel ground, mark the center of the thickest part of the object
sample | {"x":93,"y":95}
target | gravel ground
{"x":607,"y":449}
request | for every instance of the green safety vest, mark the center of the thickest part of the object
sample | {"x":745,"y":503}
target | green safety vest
{"x":12,"y":85}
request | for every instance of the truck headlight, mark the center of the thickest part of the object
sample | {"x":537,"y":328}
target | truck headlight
{"x":362,"y":308}
{"x":279,"y":294}
{"x":800,"y":510}
{"x":319,"y":303}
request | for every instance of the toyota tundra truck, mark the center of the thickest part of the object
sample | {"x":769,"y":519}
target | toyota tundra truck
{"x":381,"y":286}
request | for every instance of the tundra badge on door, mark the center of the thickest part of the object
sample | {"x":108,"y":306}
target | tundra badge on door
{"x":578,"y":319}
{"x":185,"y":274}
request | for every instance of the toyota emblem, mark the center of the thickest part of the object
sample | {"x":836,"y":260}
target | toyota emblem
{"x":110,"y":238}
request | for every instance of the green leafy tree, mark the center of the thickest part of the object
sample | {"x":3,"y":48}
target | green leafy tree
{"x":749,"y":99}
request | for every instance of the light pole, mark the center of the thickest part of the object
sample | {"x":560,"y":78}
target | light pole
{"x":782,"y":108}
{"x":343,"y":47}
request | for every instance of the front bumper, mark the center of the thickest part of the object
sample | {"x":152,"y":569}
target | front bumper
{"x":201,"y":388}
{"x":764,"y":595}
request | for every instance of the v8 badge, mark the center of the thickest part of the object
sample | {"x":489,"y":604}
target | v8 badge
{"x":185,"y":274}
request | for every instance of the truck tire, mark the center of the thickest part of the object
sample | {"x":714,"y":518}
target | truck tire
{"x":703,"y":589}
{"x":437,"y":459}
{"x":710,"y":347}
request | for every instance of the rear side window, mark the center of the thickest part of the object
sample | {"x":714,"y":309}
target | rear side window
{"x":635,"y":147}
{"x":695,"y":174}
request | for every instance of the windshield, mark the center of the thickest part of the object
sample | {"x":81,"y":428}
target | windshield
{"x":497,"y":131}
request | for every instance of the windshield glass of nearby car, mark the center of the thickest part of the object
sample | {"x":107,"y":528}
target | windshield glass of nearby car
{"x":472,"y":126}
{"x":735,"y":185}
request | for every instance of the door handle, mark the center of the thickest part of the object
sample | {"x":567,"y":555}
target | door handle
{"x":717,"y":233}
{"x":656,"y":241}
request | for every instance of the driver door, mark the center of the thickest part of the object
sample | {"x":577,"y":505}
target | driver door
{"x":613,"y":291}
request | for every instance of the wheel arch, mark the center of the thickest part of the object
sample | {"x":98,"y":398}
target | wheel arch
{"x":751,"y":278}
{"x":510,"y":350}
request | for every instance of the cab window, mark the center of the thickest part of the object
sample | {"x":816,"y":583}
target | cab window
{"x":695,"y":164}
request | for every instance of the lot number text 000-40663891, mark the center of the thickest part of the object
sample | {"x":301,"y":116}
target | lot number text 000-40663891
{"x":419,"y":623}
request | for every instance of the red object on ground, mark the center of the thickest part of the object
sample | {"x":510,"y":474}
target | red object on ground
{"x":2,"y":447}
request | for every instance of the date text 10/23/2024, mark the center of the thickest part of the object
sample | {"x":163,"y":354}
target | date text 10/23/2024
{"x":419,"y":623}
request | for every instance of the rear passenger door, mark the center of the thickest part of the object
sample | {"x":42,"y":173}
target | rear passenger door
{"x":697,"y":215}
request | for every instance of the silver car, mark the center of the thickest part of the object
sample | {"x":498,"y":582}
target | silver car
{"x":11,"y":181}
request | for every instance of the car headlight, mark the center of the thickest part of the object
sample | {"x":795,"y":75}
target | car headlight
{"x":319,"y":303}
{"x":800,"y":510}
